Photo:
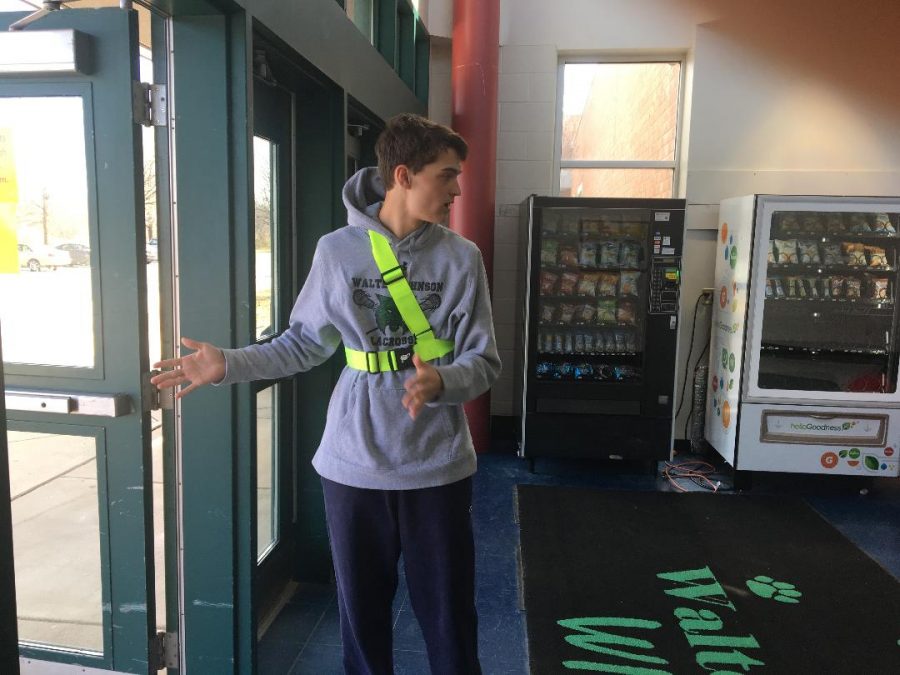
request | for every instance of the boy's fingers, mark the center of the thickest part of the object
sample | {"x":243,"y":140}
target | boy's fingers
{"x":191,"y":344}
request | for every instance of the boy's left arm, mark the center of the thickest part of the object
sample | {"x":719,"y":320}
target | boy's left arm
{"x":476,"y":364}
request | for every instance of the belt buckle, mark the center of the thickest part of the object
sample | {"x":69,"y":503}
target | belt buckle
{"x":404,"y":358}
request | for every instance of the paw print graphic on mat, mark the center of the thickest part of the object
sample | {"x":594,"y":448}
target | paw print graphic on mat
{"x":766,"y":587}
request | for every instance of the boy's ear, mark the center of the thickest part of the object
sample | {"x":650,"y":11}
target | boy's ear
{"x":402,"y":176}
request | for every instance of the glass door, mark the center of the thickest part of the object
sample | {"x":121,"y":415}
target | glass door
{"x":825,"y":321}
{"x":73,"y":311}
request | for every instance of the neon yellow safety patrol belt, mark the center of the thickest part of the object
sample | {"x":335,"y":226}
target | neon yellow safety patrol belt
{"x":426,"y":346}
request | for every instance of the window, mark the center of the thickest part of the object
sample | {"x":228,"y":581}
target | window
{"x":617,"y":134}
{"x":361,"y":13}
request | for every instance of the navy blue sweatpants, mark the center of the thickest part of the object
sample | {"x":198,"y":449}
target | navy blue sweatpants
{"x":432,"y":528}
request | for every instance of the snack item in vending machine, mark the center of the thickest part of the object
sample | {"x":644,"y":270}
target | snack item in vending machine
{"x":584,"y":371}
{"x":609,"y":228}
{"x":790,"y":287}
{"x":626,"y":313}
{"x":854,"y":253}
{"x":590,"y":227}
{"x":834,"y":224}
{"x":631,"y":342}
{"x":579,"y":343}
{"x":878,"y":288}
{"x":883,"y":224}
{"x":808,"y":252}
{"x":549,"y":221}
{"x":836,"y":286}
{"x":770,"y":289}
{"x":568,"y":256}
{"x":568,"y":343}
{"x":565,"y":370}
{"x":630,"y":254}
{"x":859,"y":223}
{"x":628,"y":283}
{"x":607,"y":282}
{"x":587,"y":254}
{"x":547,"y":343}
{"x":558,"y":343}
{"x":787,"y":251}
{"x":632,"y":229}
{"x":549,"y":251}
{"x":812,"y":286}
{"x":621,"y":341}
{"x":877,"y":256}
{"x":789,"y":221}
{"x":853,"y":288}
{"x":585,"y":314}
{"x":609,"y":342}
{"x":812,"y":223}
{"x":779,"y":287}
{"x":771,"y":255}
{"x":831,"y":253}
{"x":609,"y":254}
{"x":589,"y":346}
{"x":566,"y":313}
{"x":606,"y":311}
{"x":569,"y":224}
{"x":568,"y":282}
{"x":544,"y":369}
{"x":548,"y":282}
{"x":624,"y":372}
{"x":587,"y":285}
{"x":548,"y":313}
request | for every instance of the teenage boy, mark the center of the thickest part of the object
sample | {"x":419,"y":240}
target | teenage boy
{"x":409,"y":299}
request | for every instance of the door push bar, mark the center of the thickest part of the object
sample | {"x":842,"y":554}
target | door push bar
{"x":111,"y":405}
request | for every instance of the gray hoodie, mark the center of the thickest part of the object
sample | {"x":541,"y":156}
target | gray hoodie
{"x":369,"y":440}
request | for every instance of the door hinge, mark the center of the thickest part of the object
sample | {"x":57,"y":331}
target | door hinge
{"x":157,"y":399}
{"x":163,"y":651}
{"x":150,"y":103}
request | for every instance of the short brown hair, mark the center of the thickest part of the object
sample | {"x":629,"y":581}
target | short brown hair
{"x":414,"y":141}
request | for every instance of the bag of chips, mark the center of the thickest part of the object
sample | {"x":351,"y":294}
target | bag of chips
{"x":588,"y":343}
{"x":607,"y":283}
{"x":579,"y":343}
{"x":568,"y":343}
{"x":836,"y":287}
{"x":567,"y":283}
{"x":630,"y":254}
{"x":587,"y":285}
{"x":789,"y":222}
{"x":585,"y":314}
{"x":609,"y":228}
{"x":609,"y":254}
{"x":557,"y":343}
{"x":549,"y":250}
{"x":587,"y":254}
{"x":569,"y":224}
{"x":778,"y":287}
{"x":568,"y":256}
{"x":877,"y":256}
{"x":854,"y":253}
{"x":852,"y":288}
{"x":771,"y":256}
{"x":628,"y":283}
{"x":812,"y":287}
{"x":812,"y":224}
{"x":548,"y":282}
{"x":883,"y":224}
{"x":878,"y":289}
{"x":606,"y":311}
{"x":770,"y":289}
{"x":548,"y":313}
{"x":790,"y":287}
{"x":626,"y":313}
{"x":808,"y":252}
{"x":831,"y":253}
{"x":787,"y":251}
{"x":621,"y":341}
{"x":566,"y":314}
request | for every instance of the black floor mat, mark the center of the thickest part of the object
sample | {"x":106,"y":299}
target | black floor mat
{"x":649,"y":583}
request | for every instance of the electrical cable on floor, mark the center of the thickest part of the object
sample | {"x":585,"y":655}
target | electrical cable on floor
{"x":687,"y":361}
{"x":695,"y":470}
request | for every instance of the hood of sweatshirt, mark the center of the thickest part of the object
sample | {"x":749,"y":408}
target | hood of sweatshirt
{"x":363,"y":196}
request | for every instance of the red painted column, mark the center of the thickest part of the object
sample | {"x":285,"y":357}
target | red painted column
{"x":475,"y":64}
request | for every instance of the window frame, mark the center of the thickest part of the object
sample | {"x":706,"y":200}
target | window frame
{"x":559,"y":164}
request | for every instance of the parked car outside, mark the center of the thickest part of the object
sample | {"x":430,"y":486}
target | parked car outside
{"x":34,"y":257}
{"x":152,"y":251}
{"x":80,"y":253}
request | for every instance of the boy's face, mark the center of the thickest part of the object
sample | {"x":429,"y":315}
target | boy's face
{"x":433,"y":189}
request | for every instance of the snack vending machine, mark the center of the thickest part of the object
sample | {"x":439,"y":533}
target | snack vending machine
{"x":596,"y":368}
{"x":803,"y":352}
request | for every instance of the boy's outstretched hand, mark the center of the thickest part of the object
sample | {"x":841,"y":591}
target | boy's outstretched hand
{"x":205,"y":365}
{"x":422,"y":387}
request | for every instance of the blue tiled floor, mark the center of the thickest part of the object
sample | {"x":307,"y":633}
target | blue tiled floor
{"x":305,"y":640}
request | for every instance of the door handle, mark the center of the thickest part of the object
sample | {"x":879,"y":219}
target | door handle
{"x":101,"y":405}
